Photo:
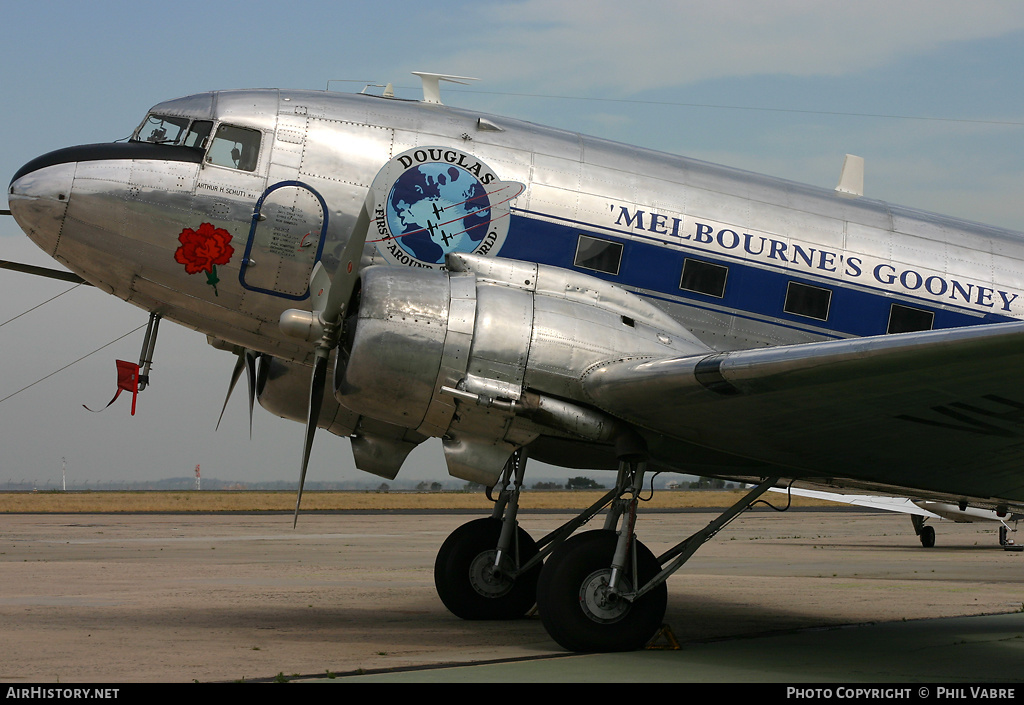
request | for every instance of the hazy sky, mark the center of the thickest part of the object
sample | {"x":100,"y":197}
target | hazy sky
{"x":929,"y":92}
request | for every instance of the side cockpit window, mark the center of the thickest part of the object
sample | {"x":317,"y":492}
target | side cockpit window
{"x":198,"y":133}
{"x":235,"y":147}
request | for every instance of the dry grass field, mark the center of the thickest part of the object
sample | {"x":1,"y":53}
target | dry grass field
{"x":234,"y":501}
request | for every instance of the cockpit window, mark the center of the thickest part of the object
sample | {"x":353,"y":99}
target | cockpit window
{"x":197,"y":134}
{"x":162,"y":129}
{"x":235,"y":147}
{"x":231,"y":146}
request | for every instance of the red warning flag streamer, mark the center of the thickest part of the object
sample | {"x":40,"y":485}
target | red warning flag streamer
{"x":127,"y":380}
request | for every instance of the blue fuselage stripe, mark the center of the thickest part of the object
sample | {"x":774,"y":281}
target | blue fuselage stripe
{"x":754,"y":292}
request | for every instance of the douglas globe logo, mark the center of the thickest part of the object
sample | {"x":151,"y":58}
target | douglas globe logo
{"x":436,"y":200}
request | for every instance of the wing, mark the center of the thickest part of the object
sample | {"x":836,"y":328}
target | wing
{"x":939,"y":412}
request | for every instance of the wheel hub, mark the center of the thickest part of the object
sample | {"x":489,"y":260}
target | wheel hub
{"x":485,"y":579}
{"x":598,"y":601}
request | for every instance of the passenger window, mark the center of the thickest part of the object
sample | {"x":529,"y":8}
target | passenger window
{"x":810,"y":301}
{"x":904,"y":319}
{"x":704,"y":277}
{"x":235,"y":147}
{"x":599,"y":255}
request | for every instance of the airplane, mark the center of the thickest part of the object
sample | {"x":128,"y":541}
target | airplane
{"x":392,"y":270}
{"x":921,"y":511}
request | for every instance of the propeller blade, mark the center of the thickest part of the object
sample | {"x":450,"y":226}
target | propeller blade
{"x":235,"y":374}
{"x":319,"y":286}
{"x":250,"y":373}
{"x":246,"y":360}
{"x":329,"y":298}
{"x":316,"y":398}
{"x":340,"y":288}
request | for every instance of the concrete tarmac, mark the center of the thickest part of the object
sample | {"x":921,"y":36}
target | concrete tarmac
{"x":804,"y":596}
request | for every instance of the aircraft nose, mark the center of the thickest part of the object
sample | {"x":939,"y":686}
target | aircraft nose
{"x":38,"y":200}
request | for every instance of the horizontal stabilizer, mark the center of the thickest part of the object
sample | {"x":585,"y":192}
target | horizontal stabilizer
{"x":904,"y":505}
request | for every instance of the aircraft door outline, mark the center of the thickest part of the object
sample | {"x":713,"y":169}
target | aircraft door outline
{"x":286,"y":219}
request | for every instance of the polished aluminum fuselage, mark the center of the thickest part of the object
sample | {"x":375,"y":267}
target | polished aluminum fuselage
{"x":118,"y":224}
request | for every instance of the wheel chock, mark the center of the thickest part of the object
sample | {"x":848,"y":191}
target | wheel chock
{"x":664,"y":639}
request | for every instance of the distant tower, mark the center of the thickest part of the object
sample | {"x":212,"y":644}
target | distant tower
{"x":197,"y":477}
{"x":63,"y":474}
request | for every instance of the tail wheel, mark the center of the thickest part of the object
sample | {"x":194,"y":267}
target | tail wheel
{"x":927,"y":536}
{"x":578,"y":610}
{"x":467,"y":582}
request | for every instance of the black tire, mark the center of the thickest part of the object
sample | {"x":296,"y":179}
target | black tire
{"x":1003,"y":536}
{"x":465,"y":583}
{"x":569,"y":606}
{"x":927,"y":536}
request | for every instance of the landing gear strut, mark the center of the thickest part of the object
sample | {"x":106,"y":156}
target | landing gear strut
{"x":474,"y":584}
{"x":586,"y":594}
{"x":1005,"y":541}
{"x":578,"y":605}
{"x":598,"y":591}
{"x":604,"y":590}
{"x":488,"y":568}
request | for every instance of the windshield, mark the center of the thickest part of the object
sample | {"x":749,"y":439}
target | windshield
{"x":162,"y":129}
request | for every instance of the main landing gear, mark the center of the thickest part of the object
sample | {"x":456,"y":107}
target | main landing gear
{"x":488,"y":568}
{"x":599,"y":590}
{"x":588,"y":604}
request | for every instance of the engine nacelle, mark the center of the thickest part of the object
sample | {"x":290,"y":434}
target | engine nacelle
{"x":489,"y":354}
{"x":282,"y":388}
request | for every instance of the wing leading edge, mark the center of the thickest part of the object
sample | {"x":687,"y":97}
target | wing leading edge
{"x":938,"y":411}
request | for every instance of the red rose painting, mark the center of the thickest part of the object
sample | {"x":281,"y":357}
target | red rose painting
{"x":203,"y":249}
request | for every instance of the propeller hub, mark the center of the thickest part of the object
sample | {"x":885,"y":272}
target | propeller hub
{"x":304,"y":325}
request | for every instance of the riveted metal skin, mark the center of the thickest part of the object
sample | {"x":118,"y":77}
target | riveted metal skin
{"x":458,"y":342}
{"x":451,"y":353}
{"x":497,"y":327}
{"x":283,"y":389}
{"x":389,"y":371}
{"x":138,"y":197}
{"x":379,"y":448}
